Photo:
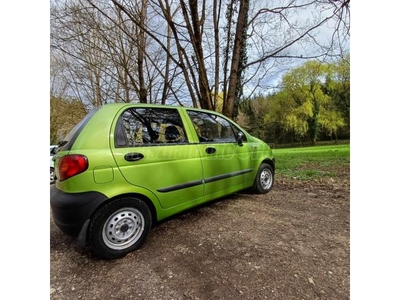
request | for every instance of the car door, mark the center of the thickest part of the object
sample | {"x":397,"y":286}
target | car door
{"x":152,"y":150}
{"x":227,"y":164}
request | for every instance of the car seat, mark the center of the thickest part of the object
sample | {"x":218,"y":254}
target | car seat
{"x":172,"y":134}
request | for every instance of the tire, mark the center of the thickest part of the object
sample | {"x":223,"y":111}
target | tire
{"x":119,"y":227}
{"x":264,"y":179}
{"x":52,"y":176}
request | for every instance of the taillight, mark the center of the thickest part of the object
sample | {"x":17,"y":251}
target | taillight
{"x":71,"y":165}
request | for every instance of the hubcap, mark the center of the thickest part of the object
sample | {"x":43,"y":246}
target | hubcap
{"x":266,"y":179}
{"x":123,"y":228}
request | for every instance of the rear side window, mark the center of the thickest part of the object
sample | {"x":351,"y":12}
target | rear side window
{"x":149,"y":126}
{"x":213,"y":128}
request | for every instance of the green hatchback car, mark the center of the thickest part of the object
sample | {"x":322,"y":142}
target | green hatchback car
{"x":125,"y":167}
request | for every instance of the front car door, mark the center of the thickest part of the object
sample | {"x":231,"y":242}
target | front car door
{"x":227,"y":165}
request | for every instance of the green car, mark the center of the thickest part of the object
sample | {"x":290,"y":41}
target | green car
{"x":125,"y":167}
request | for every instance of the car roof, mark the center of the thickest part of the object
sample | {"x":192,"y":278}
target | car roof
{"x":117,"y":106}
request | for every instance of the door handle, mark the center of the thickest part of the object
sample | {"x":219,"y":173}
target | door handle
{"x":210,"y":150}
{"x":134,"y":156}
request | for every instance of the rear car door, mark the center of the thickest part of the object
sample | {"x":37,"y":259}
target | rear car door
{"x":152,"y":150}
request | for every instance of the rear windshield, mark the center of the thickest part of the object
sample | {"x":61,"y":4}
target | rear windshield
{"x":69,"y":140}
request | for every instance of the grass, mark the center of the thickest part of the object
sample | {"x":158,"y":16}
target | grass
{"x":311,"y":162}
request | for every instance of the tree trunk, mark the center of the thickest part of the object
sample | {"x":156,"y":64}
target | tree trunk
{"x":166,"y":74}
{"x":195,"y":33}
{"x":141,"y":50}
{"x":216,"y":16}
{"x":234,"y":78}
{"x":229,"y":17}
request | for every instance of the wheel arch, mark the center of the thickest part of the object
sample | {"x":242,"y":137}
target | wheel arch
{"x":142,"y":197}
{"x":270,"y":162}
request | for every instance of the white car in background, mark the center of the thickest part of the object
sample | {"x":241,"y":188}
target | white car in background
{"x":53,"y":149}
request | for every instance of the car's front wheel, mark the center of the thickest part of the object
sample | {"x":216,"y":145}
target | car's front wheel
{"x":264,"y":179}
{"x":119,"y":227}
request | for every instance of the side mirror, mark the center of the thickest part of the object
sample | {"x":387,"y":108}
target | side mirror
{"x":240,"y":137}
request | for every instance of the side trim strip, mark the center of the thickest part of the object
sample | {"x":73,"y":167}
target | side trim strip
{"x":228,"y":175}
{"x":199,"y":182}
{"x":180,"y":186}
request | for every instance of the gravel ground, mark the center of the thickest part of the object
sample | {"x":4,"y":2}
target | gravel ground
{"x":293,"y":243}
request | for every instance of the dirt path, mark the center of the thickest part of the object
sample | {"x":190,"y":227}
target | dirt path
{"x":293,"y":243}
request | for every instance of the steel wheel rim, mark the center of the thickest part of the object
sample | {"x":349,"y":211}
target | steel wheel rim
{"x":266,"y":179}
{"x":123,"y":228}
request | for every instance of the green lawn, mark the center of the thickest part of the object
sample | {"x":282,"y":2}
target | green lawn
{"x":311,"y":162}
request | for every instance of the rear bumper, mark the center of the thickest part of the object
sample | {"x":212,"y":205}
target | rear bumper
{"x":71,"y":210}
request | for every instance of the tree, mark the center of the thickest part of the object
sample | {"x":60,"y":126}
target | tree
{"x":105,"y":56}
{"x":302,"y":106}
{"x":76,"y":43}
{"x":337,"y":86}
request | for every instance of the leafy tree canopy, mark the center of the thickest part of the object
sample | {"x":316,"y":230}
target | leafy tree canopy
{"x":314,"y":100}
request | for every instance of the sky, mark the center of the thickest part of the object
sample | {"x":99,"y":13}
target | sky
{"x":375,"y":225}
{"x":323,"y":35}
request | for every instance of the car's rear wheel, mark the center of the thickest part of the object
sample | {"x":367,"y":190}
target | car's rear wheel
{"x":264,"y":179}
{"x":119,"y":227}
{"x":52,"y":175}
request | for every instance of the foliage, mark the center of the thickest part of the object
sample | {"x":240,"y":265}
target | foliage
{"x":251,"y":116}
{"x":304,"y":88}
{"x":313,"y":102}
{"x":338,"y":88}
{"x":64,"y":115}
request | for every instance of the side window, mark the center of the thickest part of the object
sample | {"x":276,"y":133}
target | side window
{"x":147,"y":126}
{"x":213,"y":128}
